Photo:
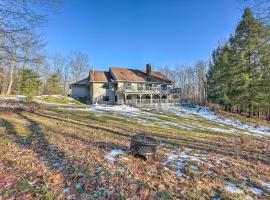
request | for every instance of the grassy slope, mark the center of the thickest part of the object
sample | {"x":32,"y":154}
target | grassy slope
{"x":56,"y":100}
{"x":43,"y":153}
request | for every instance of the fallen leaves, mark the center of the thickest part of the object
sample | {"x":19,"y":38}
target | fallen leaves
{"x":67,"y":161}
{"x":56,"y":178}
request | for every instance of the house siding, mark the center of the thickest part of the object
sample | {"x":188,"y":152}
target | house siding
{"x":98,"y":92}
{"x":80,"y":91}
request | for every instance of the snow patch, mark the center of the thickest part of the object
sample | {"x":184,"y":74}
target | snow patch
{"x":111,"y":156}
{"x":197,"y":116}
{"x":256,"y":191}
{"x":251,"y":128}
{"x":249,"y":197}
{"x":266,"y":185}
{"x":230,"y":187}
{"x":180,"y":160}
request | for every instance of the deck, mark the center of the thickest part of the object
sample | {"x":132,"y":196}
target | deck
{"x":150,"y":102}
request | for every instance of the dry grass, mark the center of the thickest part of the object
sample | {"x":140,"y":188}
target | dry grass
{"x":57,"y":154}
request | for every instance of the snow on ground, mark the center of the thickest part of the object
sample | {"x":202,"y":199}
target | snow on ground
{"x":180,"y":160}
{"x":126,"y":112}
{"x":256,"y":191}
{"x":196,"y":118}
{"x":111,"y":156}
{"x":206,"y":113}
{"x":266,"y":185}
{"x":13,"y":97}
{"x":230,"y":187}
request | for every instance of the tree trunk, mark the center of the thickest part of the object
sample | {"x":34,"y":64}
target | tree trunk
{"x":1,"y":77}
{"x":250,"y":110}
{"x":10,"y":79}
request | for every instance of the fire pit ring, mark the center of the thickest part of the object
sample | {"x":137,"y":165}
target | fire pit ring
{"x":143,"y":146}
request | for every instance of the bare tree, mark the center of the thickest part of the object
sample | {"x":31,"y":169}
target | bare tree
{"x":19,"y":37}
{"x":61,"y":68}
{"x":191,"y":80}
{"x":78,"y":63}
{"x":200,"y":69}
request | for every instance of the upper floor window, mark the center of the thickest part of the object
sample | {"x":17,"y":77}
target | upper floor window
{"x":105,"y":86}
{"x":127,"y":84}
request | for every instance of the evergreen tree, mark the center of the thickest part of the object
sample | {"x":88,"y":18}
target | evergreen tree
{"x":53,"y":85}
{"x":248,"y":44}
{"x":239,"y":74}
{"x":29,"y":83}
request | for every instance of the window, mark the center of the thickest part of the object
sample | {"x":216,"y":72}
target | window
{"x":115,"y":98}
{"x":106,"y":98}
{"x":105,"y":86}
{"x":127,"y":84}
{"x":128,"y":97}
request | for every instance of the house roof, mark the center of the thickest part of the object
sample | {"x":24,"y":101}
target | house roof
{"x":100,"y":76}
{"x":82,"y":82}
{"x":125,"y":74}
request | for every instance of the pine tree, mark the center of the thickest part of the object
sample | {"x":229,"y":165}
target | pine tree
{"x":248,"y":45}
{"x":29,"y":83}
{"x":239,"y":74}
{"x":53,"y":85}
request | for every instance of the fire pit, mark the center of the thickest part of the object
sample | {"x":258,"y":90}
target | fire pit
{"x":143,"y":146}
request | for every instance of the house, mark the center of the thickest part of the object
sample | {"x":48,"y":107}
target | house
{"x":127,"y":86}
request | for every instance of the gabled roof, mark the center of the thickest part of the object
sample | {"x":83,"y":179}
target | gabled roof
{"x":133,"y":75}
{"x":82,"y":82}
{"x":100,"y":76}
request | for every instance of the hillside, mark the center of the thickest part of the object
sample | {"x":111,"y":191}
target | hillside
{"x":82,"y":153}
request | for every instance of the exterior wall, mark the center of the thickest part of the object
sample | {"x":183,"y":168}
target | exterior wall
{"x":98,"y":92}
{"x":79,"y":91}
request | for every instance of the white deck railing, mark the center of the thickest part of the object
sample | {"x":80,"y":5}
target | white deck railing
{"x":128,"y":88}
{"x":150,"y":102}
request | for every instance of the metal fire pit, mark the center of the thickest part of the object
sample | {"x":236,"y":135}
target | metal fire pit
{"x":143,"y":146}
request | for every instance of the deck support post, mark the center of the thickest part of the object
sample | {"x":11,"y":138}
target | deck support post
{"x":140,"y":95}
{"x":125,"y":97}
{"x":151,"y":99}
{"x":160,"y":95}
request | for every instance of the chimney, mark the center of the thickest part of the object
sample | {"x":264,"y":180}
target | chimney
{"x":148,"y":69}
{"x":93,"y":69}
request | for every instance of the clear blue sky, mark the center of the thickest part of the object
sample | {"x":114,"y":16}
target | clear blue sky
{"x":131,"y":33}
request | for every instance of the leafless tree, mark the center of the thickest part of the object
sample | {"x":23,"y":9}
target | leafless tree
{"x":19,"y":36}
{"x":191,"y":80}
{"x":61,"y":68}
{"x":78,"y":64}
{"x":200,"y":69}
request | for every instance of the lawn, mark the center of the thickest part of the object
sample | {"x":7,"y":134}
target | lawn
{"x":57,"y":99}
{"x":83,"y":154}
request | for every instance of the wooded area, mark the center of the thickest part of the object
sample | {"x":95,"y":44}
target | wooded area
{"x":191,"y":80}
{"x":24,"y":67}
{"x":239,"y":73}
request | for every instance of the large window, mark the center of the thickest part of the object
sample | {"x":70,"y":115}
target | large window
{"x":106,"y":98}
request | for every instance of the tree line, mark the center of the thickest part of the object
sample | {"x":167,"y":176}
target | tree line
{"x":191,"y":80}
{"x":238,"y":78}
{"x":24,"y":67}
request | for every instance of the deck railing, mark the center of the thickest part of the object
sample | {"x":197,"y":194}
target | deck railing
{"x":129,"y":88}
{"x":150,"y":102}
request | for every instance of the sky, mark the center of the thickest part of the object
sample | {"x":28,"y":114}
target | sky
{"x":131,"y":33}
